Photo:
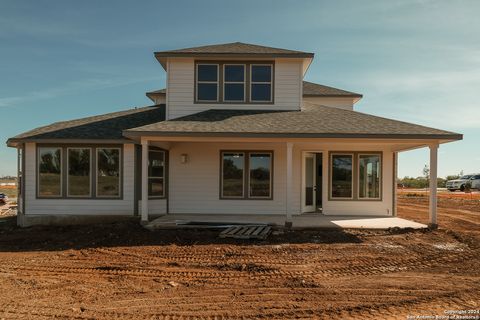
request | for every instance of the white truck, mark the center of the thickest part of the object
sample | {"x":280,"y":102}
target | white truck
{"x":459,"y":184}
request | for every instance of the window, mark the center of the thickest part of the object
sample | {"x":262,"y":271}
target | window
{"x":245,"y":170}
{"x":242,"y":82}
{"x":261,"y":83}
{"x":207,"y":82}
{"x":49,"y":172}
{"x":341,"y":175}
{"x":369,"y":176}
{"x":356,"y":176}
{"x":156,"y":173}
{"x":79,"y":175}
{"x":108,"y":172}
{"x":233,"y":165}
{"x":234,"y":82}
{"x":260,"y":177}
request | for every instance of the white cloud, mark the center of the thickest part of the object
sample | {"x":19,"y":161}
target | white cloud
{"x":70,"y":88}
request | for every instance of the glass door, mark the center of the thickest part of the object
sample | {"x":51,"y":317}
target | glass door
{"x":308,"y":182}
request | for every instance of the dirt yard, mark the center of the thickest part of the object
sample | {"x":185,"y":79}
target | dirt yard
{"x":121,"y":271}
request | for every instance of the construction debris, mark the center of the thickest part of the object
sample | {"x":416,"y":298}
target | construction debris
{"x":247,"y":232}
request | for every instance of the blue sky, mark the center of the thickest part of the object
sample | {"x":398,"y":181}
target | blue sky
{"x":417,"y":61}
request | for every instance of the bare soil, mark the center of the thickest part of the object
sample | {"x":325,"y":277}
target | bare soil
{"x":121,"y":271}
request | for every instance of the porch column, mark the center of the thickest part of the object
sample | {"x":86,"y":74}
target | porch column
{"x":289,"y":184}
{"x":144,"y":203}
{"x":433,"y":185}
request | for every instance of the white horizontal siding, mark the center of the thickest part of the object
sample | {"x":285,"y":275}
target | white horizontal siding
{"x":181,"y":82}
{"x":195,"y":185}
{"x":34,"y":206}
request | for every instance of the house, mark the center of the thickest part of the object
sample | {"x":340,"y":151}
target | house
{"x":236,"y":131}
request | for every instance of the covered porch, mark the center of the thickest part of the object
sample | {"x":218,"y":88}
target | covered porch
{"x":298,"y":221}
{"x":189,"y":156}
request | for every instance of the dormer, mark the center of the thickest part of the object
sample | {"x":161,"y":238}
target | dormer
{"x":241,"y":76}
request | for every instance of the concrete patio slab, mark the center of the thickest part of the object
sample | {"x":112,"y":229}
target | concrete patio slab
{"x":299,"y":221}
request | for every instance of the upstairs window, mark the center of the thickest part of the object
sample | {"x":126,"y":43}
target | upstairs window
{"x":261,"y":83}
{"x":207,"y":82}
{"x":234,"y":83}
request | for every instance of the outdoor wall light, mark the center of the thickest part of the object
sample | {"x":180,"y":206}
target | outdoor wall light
{"x":184,"y":158}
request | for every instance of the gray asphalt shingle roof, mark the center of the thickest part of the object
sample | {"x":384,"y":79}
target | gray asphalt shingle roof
{"x":102,"y":127}
{"x":233,"y":48}
{"x":309,"y":89}
{"x":312,"y":121}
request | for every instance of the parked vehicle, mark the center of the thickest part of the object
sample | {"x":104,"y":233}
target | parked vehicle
{"x":3,"y":198}
{"x":473,"y":180}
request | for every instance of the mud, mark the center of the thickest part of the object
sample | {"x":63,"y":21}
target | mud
{"x":121,"y":271}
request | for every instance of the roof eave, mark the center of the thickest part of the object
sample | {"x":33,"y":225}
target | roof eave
{"x":152,"y":95}
{"x":163,"y":56}
{"x":14,"y":142}
{"x":353,"y":95}
{"x":443,"y":137}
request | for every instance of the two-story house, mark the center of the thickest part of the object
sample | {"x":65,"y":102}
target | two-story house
{"x":235,"y":131}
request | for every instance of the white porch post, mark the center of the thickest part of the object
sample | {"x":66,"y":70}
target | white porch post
{"x":433,"y":184}
{"x":144,"y":205}
{"x":289,"y":184}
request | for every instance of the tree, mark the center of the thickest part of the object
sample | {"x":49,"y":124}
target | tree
{"x":426,"y":174}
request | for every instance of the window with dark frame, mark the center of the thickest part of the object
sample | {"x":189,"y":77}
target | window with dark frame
{"x":156,"y":173}
{"x":108,"y":172}
{"x":261,"y":82}
{"x":356,"y":176}
{"x":342,"y":176}
{"x":207,"y":82}
{"x":260,"y":175}
{"x":49,"y":172}
{"x":246,"y":175}
{"x":369,"y":171}
{"x":233,"y":174}
{"x":234,"y":82}
{"x":79,"y":180}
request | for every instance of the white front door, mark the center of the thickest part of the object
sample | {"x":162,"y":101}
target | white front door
{"x":308,"y":182}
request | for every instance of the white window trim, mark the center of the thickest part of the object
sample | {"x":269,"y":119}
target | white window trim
{"x":244,"y":82}
{"x":380,"y":176}
{"x":331,"y":175}
{"x":199,"y":82}
{"x":89,"y":177}
{"x":38,"y":173}
{"x":120,"y":189}
{"x":271,"y":177}
{"x":259,"y":82}
{"x":152,"y":177}
{"x":243,"y":176}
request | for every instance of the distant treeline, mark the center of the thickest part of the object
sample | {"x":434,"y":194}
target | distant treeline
{"x":423,"y":182}
{"x":8,"y":178}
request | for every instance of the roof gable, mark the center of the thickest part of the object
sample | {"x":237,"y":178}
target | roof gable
{"x":233,"y":48}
